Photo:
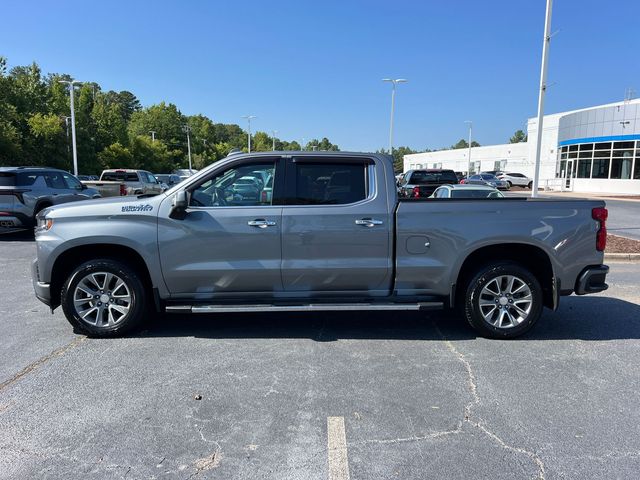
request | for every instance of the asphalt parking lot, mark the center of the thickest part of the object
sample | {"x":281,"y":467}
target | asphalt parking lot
{"x":317,"y":396}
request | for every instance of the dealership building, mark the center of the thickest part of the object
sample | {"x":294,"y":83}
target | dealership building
{"x":594,"y":149}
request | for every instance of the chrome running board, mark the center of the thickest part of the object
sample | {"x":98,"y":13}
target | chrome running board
{"x":313,"y":307}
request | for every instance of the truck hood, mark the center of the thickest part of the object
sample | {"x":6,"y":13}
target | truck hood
{"x":107,"y":207}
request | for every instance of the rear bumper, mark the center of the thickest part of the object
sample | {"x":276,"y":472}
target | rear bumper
{"x":592,"y":280}
{"x":42,"y":290}
{"x":14,"y":221}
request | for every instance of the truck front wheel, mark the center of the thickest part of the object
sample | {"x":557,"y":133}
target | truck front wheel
{"x":503,"y":301}
{"x":104,"y":298}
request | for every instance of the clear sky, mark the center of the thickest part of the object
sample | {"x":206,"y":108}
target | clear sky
{"x":314,"y":68}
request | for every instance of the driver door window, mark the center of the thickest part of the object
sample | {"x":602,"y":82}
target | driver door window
{"x":243,"y":185}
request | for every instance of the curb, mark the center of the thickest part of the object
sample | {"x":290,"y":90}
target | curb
{"x":624,"y":257}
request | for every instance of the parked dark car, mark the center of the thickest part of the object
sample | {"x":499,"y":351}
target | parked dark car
{"x":422,"y":183}
{"x":24,"y":191}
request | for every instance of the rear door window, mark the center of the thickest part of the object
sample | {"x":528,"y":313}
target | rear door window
{"x":55,"y":180}
{"x":327,"y":183}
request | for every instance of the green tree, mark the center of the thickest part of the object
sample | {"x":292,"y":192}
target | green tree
{"x":462,"y":143}
{"x":518,"y":137}
{"x":164,"y":119}
{"x":116,"y":156}
{"x":323,"y":145}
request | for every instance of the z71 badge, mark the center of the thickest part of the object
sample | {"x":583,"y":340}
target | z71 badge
{"x":137,"y":208}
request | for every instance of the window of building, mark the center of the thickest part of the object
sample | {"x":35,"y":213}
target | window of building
{"x":602,"y":153}
{"x":563,"y":168}
{"x":636,"y":169}
{"x":621,"y":168}
{"x":623,"y":153}
{"x":623,"y":145}
{"x":563,"y":156}
{"x":603,"y":146}
{"x":573,"y":154}
{"x":586,"y":146}
{"x":588,"y":154}
{"x":584,"y":169}
{"x":600,"y":168}
{"x":573,"y":148}
{"x":564,"y":149}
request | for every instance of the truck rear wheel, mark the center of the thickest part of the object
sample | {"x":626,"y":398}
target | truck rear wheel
{"x":503,"y":301}
{"x":104,"y":298}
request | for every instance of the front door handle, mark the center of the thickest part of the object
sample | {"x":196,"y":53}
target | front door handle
{"x":261,"y":223}
{"x":368,"y":222}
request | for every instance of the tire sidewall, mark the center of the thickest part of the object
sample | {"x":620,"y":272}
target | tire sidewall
{"x":133,"y":282}
{"x":484,"y":276}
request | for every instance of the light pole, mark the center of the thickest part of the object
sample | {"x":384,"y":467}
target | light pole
{"x":72,"y":84}
{"x":469,"y":159}
{"x":187,"y":130}
{"x":249,"y":117}
{"x":543,"y":88}
{"x":153,"y":135}
{"x":394,"y":82}
{"x":273,"y":138}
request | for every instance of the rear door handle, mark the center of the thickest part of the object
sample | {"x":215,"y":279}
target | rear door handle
{"x":261,"y":223}
{"x":368,"y":222}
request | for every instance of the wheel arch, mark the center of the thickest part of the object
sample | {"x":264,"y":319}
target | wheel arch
{"x":531,"y":257}
{"x":68,"y":260}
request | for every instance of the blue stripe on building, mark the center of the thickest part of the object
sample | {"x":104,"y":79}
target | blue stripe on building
{"x":612,"y":138}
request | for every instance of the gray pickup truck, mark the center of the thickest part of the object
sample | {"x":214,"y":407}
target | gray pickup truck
{"x":331,"y":234}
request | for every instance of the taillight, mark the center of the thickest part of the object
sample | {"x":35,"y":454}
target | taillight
{"x":416,"y":192}
{"x":123,"y":190}
{"x":600,"y":214}
{"x":463,"y":181}
{"x":263,"y":197}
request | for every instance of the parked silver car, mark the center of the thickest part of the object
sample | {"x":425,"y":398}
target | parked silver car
{"x":486,"y":179}
{"x":24,"y":191}
{"x":516,"y":179}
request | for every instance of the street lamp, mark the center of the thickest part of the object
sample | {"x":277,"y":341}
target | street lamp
{"x":394,"y":82}
{"x":72,"y":84}
{"x":469,"y":159}
{"x":543,"y":88}
{"x":187,"y":129}
{"x":249,"y":117}
{"x":273,"y":138}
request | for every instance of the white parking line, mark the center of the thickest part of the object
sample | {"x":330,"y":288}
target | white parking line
{"x":337,"y":449}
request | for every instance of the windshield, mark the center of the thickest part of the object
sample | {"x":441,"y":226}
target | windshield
{"x":119,"y":177}
{"x":421,"y":178}
{"x":475,"y":193}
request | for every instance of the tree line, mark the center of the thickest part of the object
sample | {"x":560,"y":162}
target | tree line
{"x":113,"y":129}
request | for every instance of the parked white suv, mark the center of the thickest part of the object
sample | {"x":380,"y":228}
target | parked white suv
{"x":516,"y":179}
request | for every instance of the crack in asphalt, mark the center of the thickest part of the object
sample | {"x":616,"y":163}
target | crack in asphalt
{"x":41,"y":361}
{"x":472,"y":387}
{"x":480,"y":424}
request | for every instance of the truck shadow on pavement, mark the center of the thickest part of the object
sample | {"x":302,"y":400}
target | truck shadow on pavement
{"x":25,"y":235}
{"x":578,"y":318}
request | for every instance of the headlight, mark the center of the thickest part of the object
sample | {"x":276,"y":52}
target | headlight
{"x":44,"y":224}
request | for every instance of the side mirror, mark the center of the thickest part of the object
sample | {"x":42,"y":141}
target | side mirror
{"x":179,"y":205}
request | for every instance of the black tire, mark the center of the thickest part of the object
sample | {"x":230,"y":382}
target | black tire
{"x":529,"y":185}
{"x":137,"y":307}
{"x":509,"y":185}
{"x":496,"y":277}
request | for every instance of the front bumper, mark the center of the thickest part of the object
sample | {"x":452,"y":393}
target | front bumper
{"x":42,"y":290}
{"x":592,"y":280}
